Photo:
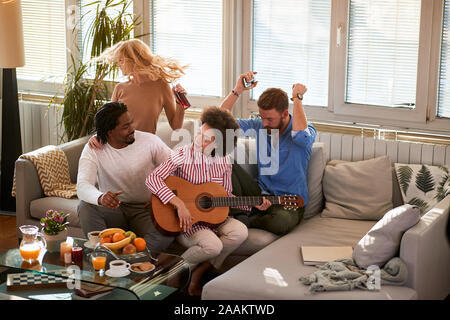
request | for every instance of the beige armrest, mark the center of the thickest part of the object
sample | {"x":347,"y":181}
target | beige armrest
{"x":425,"y":248}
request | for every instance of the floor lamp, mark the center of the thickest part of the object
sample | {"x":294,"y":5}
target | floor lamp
{"x":11,"y":57}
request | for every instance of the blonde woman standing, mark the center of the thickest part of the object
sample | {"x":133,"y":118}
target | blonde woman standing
{"x":147,"y":91}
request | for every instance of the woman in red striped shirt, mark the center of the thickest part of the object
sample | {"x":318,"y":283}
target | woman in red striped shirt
{"x":198,"y":163}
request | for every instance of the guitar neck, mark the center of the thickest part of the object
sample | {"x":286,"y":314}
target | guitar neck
{"x":242,"y":201}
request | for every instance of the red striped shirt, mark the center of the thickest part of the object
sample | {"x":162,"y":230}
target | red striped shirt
{"x":195,"y":167}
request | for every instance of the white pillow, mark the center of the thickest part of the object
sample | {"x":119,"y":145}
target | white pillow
{"x":382,"y":242}
{"x":360,"y":190}
{"x":423,"y":185}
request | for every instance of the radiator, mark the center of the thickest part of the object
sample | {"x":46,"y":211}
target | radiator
{"x":39,"y":125}
{"x":356,"y":148}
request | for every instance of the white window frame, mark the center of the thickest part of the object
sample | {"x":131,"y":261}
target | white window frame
{"x":230,"y":25}
{"x":237,"y":55}
{"x":50,"y":87}
{"x":421,"y":118}
{"x":341,"y":107}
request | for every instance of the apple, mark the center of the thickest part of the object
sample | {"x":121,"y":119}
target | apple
{"x":129,"y":249}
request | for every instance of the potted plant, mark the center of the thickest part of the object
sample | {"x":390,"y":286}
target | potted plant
{"x":54,"y":229}
{"x":84,"y":87}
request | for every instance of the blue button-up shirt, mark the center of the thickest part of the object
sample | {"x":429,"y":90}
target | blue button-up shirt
{"x":283,"y":162}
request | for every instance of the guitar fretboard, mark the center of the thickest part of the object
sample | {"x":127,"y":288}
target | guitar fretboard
{"x":242,"y":201}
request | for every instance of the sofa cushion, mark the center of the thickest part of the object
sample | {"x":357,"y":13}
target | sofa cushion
{"x":358,"y":190}
{"x":257,"y":239}
{"x":179,"y":137}
{"x":316,"y":168}
{"x":39,"y":207}
{"x":423,"y":185}
{"x":274,"y":272}
{"x":382,"y":241}
{"x":73,"y":151}
{"x":396,"y":193}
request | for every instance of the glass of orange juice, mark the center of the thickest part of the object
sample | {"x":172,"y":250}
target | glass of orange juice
{"x":99,"y":261}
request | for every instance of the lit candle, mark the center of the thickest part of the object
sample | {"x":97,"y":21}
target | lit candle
{"x":64,"y":248}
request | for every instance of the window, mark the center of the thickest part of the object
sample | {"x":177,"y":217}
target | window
{"x":88,"y":10}
{"x":44,"y":31}
{"x":291,"y":41}
{"x":443,"y":107}
{"x":191,"y":32}
{"x":382,"y":54}
{"x":371,"y":62}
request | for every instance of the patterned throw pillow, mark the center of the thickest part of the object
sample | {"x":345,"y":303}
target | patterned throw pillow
{"x":423,"y":185}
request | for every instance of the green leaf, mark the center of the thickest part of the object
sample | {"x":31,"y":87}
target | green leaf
{"x":443,"y":188}
{"x":422,"y":204}
{"x":404,"y":177}
{"x":424,"y":180}
{"x":444,"y":168}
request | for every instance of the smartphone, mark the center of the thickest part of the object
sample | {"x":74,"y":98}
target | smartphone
{"x":248,"y":84}
{"x":181,"y":98}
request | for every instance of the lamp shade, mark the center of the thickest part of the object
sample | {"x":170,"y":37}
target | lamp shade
{"x":11,"y":34}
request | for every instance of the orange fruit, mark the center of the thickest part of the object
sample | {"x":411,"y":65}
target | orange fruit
{"x":117,"y":237}
{"x":105,"y":240}
{"x":140,"y":244}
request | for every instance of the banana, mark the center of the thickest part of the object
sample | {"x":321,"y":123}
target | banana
{"x":110,"y":232}
{"x":116,"y":246}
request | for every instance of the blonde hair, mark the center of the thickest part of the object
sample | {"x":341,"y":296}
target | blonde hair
{"x":140,"y":60}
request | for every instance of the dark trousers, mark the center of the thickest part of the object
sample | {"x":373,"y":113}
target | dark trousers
{"x":276,"y":219}
{"x":133,"y":217}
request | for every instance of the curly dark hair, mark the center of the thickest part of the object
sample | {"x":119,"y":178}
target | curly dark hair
{"x":274,"y":98}
{"x":107,"y":118}
{"x":222,"y":120}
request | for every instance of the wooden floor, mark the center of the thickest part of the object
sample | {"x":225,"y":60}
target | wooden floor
{"x":8,"y":237}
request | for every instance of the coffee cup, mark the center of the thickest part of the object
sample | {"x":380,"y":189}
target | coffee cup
{"x":93,"y":237}
{"x":118,"y":266}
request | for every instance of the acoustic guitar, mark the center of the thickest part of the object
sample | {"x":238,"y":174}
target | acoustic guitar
{"x":208,"y":202}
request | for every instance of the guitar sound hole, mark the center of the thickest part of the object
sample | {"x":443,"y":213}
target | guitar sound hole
{"x":205,"y":202}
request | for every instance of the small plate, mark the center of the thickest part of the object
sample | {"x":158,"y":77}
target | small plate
{"x":115,"y":275}
{"x":141,"y":272}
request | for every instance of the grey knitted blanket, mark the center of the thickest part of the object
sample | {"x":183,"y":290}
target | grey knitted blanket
{"x":344,"y":274}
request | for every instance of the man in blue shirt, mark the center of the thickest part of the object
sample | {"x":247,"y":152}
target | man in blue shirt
{"x":284,"y":144}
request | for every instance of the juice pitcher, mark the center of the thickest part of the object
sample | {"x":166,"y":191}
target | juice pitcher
{"x":31,"y":245}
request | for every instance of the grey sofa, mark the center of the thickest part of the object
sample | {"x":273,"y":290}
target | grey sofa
{"x":266,"y":266}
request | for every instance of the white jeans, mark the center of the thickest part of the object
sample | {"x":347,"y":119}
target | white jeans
{"x":205,"y":245}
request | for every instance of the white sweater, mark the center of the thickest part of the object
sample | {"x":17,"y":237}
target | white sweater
{"x":120,"y":169}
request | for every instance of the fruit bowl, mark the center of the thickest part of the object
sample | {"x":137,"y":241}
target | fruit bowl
{"x":123,"y":243}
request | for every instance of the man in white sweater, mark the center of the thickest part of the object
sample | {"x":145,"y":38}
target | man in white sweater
{"x":119,"y":170}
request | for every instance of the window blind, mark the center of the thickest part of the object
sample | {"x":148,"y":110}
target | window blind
{"x":191,"y":32}
{"x":383,"y":45}
{"x":290,"y":45}
{"x":443,"y":107}
{"x":44,"y":40}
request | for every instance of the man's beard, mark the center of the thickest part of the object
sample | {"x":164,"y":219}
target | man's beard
{"x":280,"y":125}
{"x":131,"y":140}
